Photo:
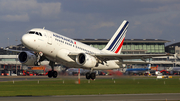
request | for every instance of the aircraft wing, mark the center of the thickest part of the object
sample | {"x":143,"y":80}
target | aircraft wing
{"x":17,"y":51}
{"x":128,"y":56}
{"x":106,"y":57}
{"x":12,"y":50}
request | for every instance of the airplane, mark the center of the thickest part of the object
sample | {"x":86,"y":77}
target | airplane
{"x":57,"y":48}
{"x":174,"y":70}
{"x":138,"y":70}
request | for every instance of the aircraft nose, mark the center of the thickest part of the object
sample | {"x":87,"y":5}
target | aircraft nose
{"x":24,"y":39}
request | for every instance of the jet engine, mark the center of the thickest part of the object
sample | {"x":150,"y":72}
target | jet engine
{"x":27,"y":58}
{"x":86,"y":60}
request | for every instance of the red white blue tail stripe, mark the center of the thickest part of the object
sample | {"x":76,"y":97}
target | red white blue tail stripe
{"x":116,"y":42}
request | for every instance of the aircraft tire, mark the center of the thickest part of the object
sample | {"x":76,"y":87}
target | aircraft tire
{"x":54,"y":74}
{"x":50,"y":74}
{"x":88,"y":75}
{"x":93,"y":76}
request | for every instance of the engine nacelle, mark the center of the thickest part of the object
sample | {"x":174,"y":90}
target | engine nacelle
{"x":123,"y":66}
{"x":86,"y":60}
{"x":27,"y":58}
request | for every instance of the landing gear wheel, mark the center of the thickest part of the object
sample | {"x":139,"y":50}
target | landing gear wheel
{"x":93,"y":76}
{"x":88,"y":75}
{"x":54,"y":74}
{"x":50,"y":74}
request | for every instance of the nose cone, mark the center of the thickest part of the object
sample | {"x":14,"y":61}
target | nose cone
{"x":25,"y":39}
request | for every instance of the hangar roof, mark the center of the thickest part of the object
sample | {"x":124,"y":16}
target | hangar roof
{"x":174,"y":44}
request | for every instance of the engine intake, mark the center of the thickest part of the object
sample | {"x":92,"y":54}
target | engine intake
{"x":27,"y":58}
{"x":86,"y":60}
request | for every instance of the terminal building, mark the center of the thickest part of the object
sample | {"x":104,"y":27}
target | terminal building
{"x":132,"y":46}
{"x":140,"y":46}
{"x":8,"y":59}
{"x":173,"y":48}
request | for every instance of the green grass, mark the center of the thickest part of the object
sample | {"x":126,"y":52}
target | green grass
{"x":99,"y":86}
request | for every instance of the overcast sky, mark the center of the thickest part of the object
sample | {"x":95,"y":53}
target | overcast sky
{"x":95,"y":19}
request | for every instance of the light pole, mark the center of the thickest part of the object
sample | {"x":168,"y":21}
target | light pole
{"x":8,"y":41}
{"x":16,"y":56}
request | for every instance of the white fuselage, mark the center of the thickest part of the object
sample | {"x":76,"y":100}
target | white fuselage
{"x":57,"y":47}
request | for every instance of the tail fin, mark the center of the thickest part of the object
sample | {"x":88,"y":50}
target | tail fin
{"x":116,"y":42}
{"x":149,"y":66}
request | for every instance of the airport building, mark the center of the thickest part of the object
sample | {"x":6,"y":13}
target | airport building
{"x":132,"y":46}
{"x":140,"y":46}
{"x":9,"y":61}
{"x":173,"y":48}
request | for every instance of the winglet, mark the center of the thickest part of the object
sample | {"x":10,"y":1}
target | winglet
{"x":116,"y":42}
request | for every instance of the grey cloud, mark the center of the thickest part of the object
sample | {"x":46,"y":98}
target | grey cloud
{"x":103,"y":24}
{"x":158,"y":19}
{"x":12,"y":18}
{"x":28,"y":9}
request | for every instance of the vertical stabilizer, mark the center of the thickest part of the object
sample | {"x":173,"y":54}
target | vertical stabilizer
{"x":149,"y":66}
{"x":116,"y":42}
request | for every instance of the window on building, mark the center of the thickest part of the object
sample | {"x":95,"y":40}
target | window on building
{"x":140,"y":46}
{"x":152,"y":48}
{"x":148,"y":48}
{"x":156,"y":47}
{"x":177,"y":51}
{"x":136,"y":47}
{"x":96,"y":46}
{"x":101,"y":46}
{"x":124,"y":47}
{"x":132,"y":47}
{"x":172,"y":51}
{"x":144,"y":46}
{"x":128,"y":47}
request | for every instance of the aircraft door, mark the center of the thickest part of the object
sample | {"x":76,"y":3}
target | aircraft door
{"x":49,"y":35}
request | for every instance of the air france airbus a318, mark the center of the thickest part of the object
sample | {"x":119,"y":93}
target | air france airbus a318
{"x":71,"y":53}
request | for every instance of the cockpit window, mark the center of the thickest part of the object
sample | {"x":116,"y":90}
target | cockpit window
{"x":40,"y":34}
{"x":37,"y":33}
{"x":31,"y":32}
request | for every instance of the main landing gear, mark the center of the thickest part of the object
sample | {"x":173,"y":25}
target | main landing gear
{"x":91,"y":75}
{"x":52,"y":73}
